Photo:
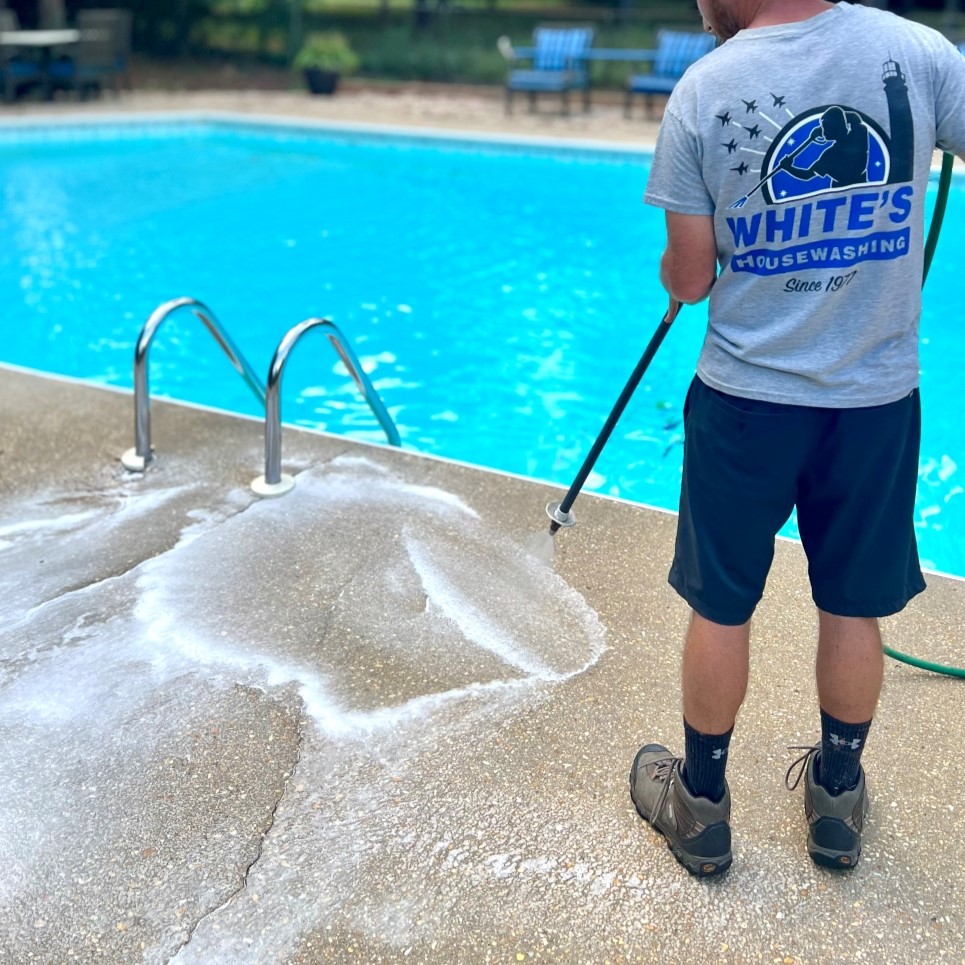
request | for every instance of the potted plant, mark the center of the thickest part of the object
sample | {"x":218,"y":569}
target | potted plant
{"x":323,"y":58}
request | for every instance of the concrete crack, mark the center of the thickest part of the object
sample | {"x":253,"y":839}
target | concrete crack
{"x":262,"y":839}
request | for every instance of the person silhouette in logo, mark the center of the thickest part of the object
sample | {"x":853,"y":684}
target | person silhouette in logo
{"x":845,"y":162}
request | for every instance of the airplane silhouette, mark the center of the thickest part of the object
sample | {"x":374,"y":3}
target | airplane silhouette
{"x":741,"y":169}
{"x":754,"y":131}
{"x":750,"y":105}
{"x":778,"y":101}
{"x":731,"y":145}
{"x":723,"y":118}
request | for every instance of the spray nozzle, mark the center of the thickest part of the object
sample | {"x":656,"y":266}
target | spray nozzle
{"x":558,"y":517}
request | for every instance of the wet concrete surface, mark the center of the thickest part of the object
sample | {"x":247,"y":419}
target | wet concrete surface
{"x":361,"y":723}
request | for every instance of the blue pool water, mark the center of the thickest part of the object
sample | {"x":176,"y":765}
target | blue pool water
{"x":499,"y":295}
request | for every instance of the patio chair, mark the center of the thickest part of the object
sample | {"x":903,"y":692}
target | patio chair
{"x":676,"y":51}
{"x":559,"y":65}
{"x":17,"y":72}
{"x":101,"y":55}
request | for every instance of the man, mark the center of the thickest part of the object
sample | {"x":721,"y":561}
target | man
{"x":806,"y":390}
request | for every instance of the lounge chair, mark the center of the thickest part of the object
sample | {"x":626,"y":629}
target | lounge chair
{"x":559,"y":65}
{"x":676,"y":51}
{"x":17,"y":71}
{"x":101,"y":54}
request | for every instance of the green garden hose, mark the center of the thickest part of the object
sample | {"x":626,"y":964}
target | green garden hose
{"x":938,"y":215}
{"x":924,"y":664}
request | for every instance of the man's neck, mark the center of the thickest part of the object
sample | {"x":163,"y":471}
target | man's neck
{"x":775,"y":12}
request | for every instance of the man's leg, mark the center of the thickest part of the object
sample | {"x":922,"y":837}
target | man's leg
{"x":691,"y":806}
{"x":715,"y":669}
{"x":850,"y":666}
{"x":856,"y":518}
{"x":849,"y":669}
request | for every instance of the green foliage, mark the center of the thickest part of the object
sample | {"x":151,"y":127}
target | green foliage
{"x":399,"y":52}
{"x":458,"y":44}
{"x":327,"y":51}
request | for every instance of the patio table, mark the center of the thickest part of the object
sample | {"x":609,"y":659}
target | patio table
{"x":44,"y":41}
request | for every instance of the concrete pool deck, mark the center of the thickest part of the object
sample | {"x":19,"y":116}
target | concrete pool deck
{"x":362,"y":723}
{"x":436,"y":107}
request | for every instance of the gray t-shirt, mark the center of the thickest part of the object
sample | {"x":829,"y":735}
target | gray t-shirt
{"x":810,"y":144}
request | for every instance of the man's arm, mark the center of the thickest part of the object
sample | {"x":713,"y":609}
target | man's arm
{"x":688,"y":268}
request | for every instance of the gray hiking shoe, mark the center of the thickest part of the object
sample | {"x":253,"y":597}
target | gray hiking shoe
{"x":835,"y":822}
{"x":697,"y":830}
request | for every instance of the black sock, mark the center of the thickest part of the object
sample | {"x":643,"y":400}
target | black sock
{"x":704,"y":762}
{"x":841,"y":747}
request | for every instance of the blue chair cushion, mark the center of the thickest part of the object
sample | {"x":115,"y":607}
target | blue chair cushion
{"x":648,"y":84}
{"x":677,"y":50}
{"x":548,"y":80}
{"x":63,"y":68}
{"x":21,"y":69}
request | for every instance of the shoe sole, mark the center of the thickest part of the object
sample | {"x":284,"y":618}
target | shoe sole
{"x":827,"y":855}
{"x":835,"y":860}
{"x":699,"y":867}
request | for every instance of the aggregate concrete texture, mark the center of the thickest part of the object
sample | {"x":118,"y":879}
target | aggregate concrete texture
{"x":362,"y":723}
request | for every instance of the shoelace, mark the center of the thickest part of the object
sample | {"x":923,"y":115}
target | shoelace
{"x":664,"y":771}
{"x":801,"y":763}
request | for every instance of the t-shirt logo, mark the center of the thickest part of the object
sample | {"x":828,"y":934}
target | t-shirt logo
{"x":818,"y":152}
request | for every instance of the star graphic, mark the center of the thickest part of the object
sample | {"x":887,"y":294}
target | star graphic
{"x":784,"y":194}
{"x":750,"y":105}
{"x":754,"y":131}
{"x":778,"y":101}
{"x":741,"y":168}
{"x":723,"y":118}
{"x":731,"y":145}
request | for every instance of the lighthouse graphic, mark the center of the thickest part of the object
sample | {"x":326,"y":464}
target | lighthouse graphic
{"x":901,"y":144}
{"x":834,"y":147}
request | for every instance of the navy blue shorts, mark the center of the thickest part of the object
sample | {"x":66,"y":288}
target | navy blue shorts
{"x":851,"y":473}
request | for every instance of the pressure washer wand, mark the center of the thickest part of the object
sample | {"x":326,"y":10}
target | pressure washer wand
{"x":559,"y":513}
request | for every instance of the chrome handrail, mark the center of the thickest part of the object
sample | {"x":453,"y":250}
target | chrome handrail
{"x":274,"y":482}
{"x":137,"y":459}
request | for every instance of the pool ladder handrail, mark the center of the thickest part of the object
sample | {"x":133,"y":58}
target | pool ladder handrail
{"x":274,"y":482}
{"x":138,"y":458}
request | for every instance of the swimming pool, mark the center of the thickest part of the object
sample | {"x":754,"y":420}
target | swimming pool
{"x":498,"y":293}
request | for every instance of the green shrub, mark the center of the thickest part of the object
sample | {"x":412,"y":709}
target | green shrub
{"x":328,"y":51}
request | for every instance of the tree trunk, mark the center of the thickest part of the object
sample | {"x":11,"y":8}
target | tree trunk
{"x":296,"y":28}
